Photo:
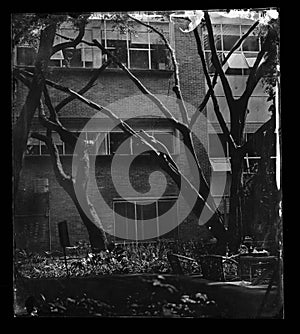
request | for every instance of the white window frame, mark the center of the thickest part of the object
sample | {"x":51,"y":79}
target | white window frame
{"x":149,"y":49}
{"x":239,"y":51}
{"x":136,"y":201}
{"x":251,"y":157}
{"x":152,"y":133}
{"x":82,"y":47}
{"x":107,"y":142}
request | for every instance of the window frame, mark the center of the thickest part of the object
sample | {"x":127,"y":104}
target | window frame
{"x":223,"y":52}
{"x":137,"y":200}
{"x":149,"y":49}
{"x":107,"y":142}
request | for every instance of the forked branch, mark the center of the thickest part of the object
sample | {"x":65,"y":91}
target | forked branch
{"x":176,"y":88}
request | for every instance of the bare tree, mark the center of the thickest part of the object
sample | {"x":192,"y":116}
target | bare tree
{"x":238,"y":147}
{"x":158,"y":150}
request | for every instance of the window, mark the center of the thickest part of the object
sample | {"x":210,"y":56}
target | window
{"x":143,"y":212}
{"x":220,"y":191}
{"x":139,"y":48}
{"x":98,"y":141}
{"x":83,"y":56}
{"x":220,"y":183}
{"x":33,"y":147}
{"x":25,"y":55}
{"x":134,"y":146}
{"x":115,"y":141}
{"x":226,"y":35}
{"x":103,"y":143}
{"x":253,"y":157}
{"x":217,"y":145}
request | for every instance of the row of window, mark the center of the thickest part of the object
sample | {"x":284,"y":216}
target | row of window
{"x":140,"y":49}
{"x":106,"y":143}
{"x":218,"y":146}
{"x":226,"y":35}
{"x":147,"y":216}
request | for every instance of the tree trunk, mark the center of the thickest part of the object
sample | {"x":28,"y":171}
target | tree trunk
{"x":22,"y":126}
{"x":91,"y":221}
{"x":235,"y":216}
{"x":238,"y":112}
{"x":77,"y":189}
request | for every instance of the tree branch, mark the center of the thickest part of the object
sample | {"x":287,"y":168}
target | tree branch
{"x":215,"y":77}
{"x":137,"y":82}
{"x":176,"y":88}
{"x":260,"y":67}
{"x":21,"y":128}
{"x":88,"y":86}
{"x":73,"y":43}
{"x":212,"y":93}
{"x":216,"y":62}
{"x":164,"y":159}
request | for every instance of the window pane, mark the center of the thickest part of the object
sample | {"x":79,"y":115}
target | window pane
{"x":44,"y":149}
{"x":217,"y":146}
{"x":87,"y":54}
{"x":209,"y":64}
{"x":229,"y":41}
{"x":217,"y":39}
{"x":250,"y":58}
{"x":120,"y":219}
{"x":71,"y":33}
{"x":88,"y":35}
{"x":160,"y":57}
{"x":145,"y":212}
{"x":57,"y":55}
{"x":33,"y":146}
{"x":55,"y":63}
{"x":156,"y":39}
{"x":116,"y":139}
{"x":139,"y":59}
{"x":231,"y":29}
{"x":131,"y":225}
{"x":251,"y":44}
{"x":119,"y":49}
{"x":137,"y":146}
{"x":99,"y":138}
{"x":69,"y":149}
{"x":25,"y":56}
{"x":166,"y":139}
{"x":220,"y":184}
{"x":139,"y":38}
{"x":75,"y":57}
{"x":163,"y":207}
{"x":113,"y":34}
{"x":257,"y":143}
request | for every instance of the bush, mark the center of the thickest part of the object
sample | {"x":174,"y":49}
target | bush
{"x":123,"y":259}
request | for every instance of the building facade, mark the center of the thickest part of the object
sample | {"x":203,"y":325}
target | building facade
{"x":42,"y":203}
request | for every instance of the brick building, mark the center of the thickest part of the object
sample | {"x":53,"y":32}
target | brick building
{"x":43,"y":203}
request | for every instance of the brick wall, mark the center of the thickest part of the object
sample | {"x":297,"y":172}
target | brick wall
{"x":116,"y":91}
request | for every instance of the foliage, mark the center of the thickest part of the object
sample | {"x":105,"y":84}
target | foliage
{"x":27,"y":27}
{"x":269,"y":81}
{"x":159,"y":299}
{"x":124,"y":259}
